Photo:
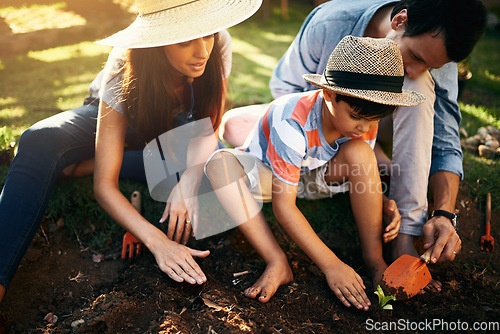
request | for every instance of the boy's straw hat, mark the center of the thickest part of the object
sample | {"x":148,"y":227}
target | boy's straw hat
{"x":165,"y":22}
{"x":367,"y":68}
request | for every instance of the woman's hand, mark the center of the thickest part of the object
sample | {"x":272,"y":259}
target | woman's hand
{"x":182,"y":215}
{"x":182,"y":209}
{"x":177,"y":260}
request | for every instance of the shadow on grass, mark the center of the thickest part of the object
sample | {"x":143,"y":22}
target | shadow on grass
{"x":102,"y":18}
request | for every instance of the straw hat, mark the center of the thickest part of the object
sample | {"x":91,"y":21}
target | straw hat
{"x":165,"y":22}
{"x":367,"y":68}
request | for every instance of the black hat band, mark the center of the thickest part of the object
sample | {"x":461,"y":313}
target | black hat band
{"x":364,"y":81}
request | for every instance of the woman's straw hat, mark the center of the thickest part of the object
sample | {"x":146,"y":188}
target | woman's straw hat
{"x":165,"y":22}
{"x":367,"y":68}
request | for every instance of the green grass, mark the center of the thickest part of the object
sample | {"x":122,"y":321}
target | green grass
{"x":480,"y":106}
{"x":38,"y":84}
{"x":257,"y":47}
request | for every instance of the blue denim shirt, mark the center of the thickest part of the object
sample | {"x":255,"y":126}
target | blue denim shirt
{"x":323,"y":29}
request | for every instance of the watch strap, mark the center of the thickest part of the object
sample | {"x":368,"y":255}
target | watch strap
{"x":442,"y":213}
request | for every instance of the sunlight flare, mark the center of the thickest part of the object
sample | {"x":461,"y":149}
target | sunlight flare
{"x":39,"y":17}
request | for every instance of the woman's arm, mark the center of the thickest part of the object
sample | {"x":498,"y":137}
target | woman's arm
{"x":174,"y":259}
{"x":182,"y":204}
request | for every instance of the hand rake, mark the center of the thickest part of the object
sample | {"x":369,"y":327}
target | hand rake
{"x":487,"y":241}
{"x":129,"y":241}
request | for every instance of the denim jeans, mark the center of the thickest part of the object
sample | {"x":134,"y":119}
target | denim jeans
{"x":45,"y":149}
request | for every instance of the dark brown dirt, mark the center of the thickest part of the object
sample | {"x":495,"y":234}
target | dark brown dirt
{"x":134,"y":296}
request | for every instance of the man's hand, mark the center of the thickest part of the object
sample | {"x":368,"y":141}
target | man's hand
{"x":439,"y":232}
{"x":392,"y":220}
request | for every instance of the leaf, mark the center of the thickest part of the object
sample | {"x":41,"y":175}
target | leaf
{"x":380,"y":294}
{"x":386,"y":299}
{"x":383,"y":299}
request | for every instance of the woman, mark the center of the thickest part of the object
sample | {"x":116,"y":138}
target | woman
{"x":171,"y":68}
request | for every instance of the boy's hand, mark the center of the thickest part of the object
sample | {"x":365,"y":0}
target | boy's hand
{"x":392,"y":220}
{"x":348,"y":286}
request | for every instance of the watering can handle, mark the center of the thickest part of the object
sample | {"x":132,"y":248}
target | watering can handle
{"x":427,"y":255}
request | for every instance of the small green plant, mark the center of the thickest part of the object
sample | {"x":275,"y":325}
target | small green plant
{"x":383,"y":299}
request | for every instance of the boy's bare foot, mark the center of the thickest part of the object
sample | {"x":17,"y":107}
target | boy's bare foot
{"x":276,"y":274}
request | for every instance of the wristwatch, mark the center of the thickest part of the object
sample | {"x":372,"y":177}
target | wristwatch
{"x":451,"y":216}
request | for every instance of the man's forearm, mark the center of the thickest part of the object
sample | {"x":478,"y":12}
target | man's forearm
{"x":444,"y":188}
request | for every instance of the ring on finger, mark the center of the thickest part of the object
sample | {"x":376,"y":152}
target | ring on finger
{"x":454,"y":253}
{"x":188,"y":221}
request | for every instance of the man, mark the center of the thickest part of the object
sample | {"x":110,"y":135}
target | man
{"x":432,"y":35}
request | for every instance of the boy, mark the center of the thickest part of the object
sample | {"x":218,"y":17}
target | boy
{"x":302,"y":148}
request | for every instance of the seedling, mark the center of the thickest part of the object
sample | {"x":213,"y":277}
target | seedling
{"x":383,"y":299}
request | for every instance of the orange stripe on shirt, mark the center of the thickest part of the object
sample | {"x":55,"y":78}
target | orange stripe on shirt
{"x":283,"y":169}
{"x":313,"y":138}
{"x":265,"y":125}
{"x":303,"y":107}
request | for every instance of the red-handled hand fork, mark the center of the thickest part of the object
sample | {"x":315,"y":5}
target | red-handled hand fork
{"x":129,"y":241}
{"x":487,"y":241}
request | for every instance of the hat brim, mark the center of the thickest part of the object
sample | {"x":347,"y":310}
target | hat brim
{"x":183,"y":23}
{"x":406,"y":98}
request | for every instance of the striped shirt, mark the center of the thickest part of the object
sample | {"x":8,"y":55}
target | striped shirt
{"x":289,"y":137}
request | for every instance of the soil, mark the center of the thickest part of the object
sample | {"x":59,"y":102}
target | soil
{"x":117,"y":295}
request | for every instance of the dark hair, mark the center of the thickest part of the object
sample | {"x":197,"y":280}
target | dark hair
{"x":150,"y":97}
{"x":366,"y":109}
{"x":462,"y":22}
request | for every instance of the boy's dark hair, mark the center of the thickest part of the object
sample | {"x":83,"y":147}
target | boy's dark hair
{"x":366,"y":109}
{"x":461,"y":21}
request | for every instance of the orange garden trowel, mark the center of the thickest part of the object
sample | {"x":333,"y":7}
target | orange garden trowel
{"x":407,"y":276}
{"x":129,"y":241}
{"x":487,"y":241}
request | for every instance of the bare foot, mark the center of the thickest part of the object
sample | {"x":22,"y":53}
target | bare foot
{"x":82,"y":168}
{"x":275,"y":275}
{"x":433,"y":286}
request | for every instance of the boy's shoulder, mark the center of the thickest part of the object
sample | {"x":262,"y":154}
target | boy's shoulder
{"x":298,"y":106}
